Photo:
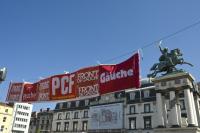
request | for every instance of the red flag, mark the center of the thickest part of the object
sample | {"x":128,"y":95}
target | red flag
{"x":121,"y":76}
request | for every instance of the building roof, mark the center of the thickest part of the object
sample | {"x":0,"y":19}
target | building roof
{"x":6,"y":104}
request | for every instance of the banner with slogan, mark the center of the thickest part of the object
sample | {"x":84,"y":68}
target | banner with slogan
{"x":30,"y":93}
{"x":63,"y":87}
{"x":15,"y":92}
{"x":43,"y":88}
{"x":121,"y":76}
{"x":85,"y":83}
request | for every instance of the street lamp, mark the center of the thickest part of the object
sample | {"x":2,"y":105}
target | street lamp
{"x":3,"y":72}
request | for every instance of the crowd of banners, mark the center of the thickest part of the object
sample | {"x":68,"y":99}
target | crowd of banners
{"x":84,"y":83}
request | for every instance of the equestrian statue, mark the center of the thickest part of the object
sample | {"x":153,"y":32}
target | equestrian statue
{"x":167,"y":62}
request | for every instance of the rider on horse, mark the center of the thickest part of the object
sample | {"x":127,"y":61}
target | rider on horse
{"x":168,"y":61}
{"x":165,"y":57}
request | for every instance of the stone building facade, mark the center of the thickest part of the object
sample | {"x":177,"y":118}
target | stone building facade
{"x":44,"y":121}
{"x":166,"y":105}
{"x":33,"y":123}
{"x":71,"y":117}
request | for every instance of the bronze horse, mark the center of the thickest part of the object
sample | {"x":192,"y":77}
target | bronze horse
{"x":168,"y":61}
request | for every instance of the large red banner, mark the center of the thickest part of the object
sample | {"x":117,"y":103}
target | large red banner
{"x":121,"y":76}
{"x":84,"y":83}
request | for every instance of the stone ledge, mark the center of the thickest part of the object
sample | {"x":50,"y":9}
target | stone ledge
{"x":178,"y":130}
{"x":173,"y":76}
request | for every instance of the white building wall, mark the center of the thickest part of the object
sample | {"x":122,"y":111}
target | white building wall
{"x":21,"y":117}
{"x":139,"y":115}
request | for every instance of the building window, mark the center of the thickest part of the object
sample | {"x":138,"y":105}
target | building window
{"x":6,"y":110}
{"x":19,"y":106}
{"x":75,"y":115}
{"x":85,"y":115}
{"x":77,"y":103}
{"x":147,"y":108}
{"x":4,"y":119}
{"x":75,"y":126}
{"x":69,"y":104}
{"x":84,"y":126}
{"x":132,"y":109}
{"x":132,"y":123}
{"x":163,"y":83}
{"x":182,"y":104}
{"x":86,"y":102}
{"x":59,"y":116}
{"x":42,"y":127}
{"x":68,"y":115}
{"x":66,"y":126}
{"x":26,"y":108}
{"x":146,"y":94}
{"x":147,"y":122}
{"x":47,"y":122}
{"x":42,"y":121}
{"x":38,"y":121}
{"x":132,"y":95}
{"x":177,"y":81}
{"x":58,"y":126}
{"x":2,"y":127}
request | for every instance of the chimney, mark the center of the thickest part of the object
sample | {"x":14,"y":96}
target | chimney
{"x":48,"y":109}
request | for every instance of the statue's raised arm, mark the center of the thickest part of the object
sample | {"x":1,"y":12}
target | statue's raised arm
{"x":164,"y":51}
{"x":161,"y":50}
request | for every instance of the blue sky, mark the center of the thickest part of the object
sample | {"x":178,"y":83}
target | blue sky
{"x":43,"y":38}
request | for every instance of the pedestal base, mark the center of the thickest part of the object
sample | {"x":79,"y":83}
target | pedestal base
{"x":177,"y":130}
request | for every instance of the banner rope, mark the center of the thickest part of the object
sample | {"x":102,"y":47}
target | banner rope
{"x":156,"y":41}
{"x":145,"y":46}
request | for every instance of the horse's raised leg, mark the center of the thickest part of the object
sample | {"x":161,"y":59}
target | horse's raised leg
{"x":154,"y":67}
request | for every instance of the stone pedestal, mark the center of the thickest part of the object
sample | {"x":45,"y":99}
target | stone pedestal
{"x":189,"y":108}
{"x":159,"y":115}
{"x":174,"y":112}
{"x":197,"y":106}
{"x":171,"y":84}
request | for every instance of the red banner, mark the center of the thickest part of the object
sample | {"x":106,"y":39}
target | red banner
{"x":87,"y":82}
{"x":121,"y":76}
{"x":63,"y":87}
{"x":30,"y":93}
{"x":84,"y":83}
{"x":15,"y":92}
